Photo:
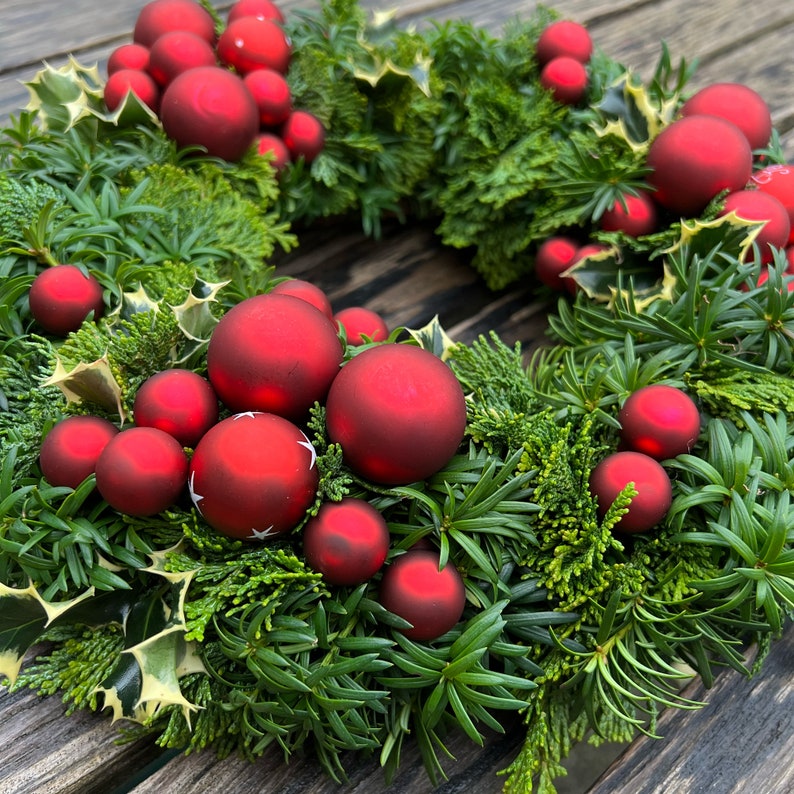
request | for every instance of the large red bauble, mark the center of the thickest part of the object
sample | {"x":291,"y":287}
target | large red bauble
{"x":128,"y":56}
{"x":778,"y":180}
{"x":566,"y":78}
{"x":262,"y":9}
{"x":555,"y":255}
{"x":755,"y":205}
{"x":273,"y":353}
{"x":141,"y":471}
{"x":70,"y":450}
{"x":305,"y":290}
{"x":660,"y":421}
{"x":431,"y":600}
{"x":161,"y":16}
{"x":61,"y":297}
{"x":736,"y":103}
{"x":360,"y":322}
{"x":347,"y":541}
{"x":654,"y":490}
{"x":303,"y":134}
{"x":636,"y":218}
{"x":253,"y":476}
{"x":695,"y":158}
{"x":176,"y":52}
{"x":250,"y":43}
{"x":398,"y":412}
{"x":564,"y":38}
{"x":272,"y":95}
{"x":178,"y":401}
{"x":209,"y":106}
{"x":135,"y":81}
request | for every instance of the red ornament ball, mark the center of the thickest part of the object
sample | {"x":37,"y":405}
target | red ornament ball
{"x":660,"y":421}
{"x":62,"y":297}
{"x":554,"y":256}
{"x":304,"y":135}
{"x":636,"y":218}
{"x":778,"y":180}
{"x":273,"y":353}
{"x":272,"y":95}
{"x":161,"y":16}
{"x":250,"y":43}
{"x":347,"y":541}
{"x":179,"y":402}
{"x":695,"y":158}
{"x":70,"y":450}
{"x":262,"y":9}
{"x":253,"y":476}
{"x":398,"y":412}
{"x":273,"y":147}
{"x":564,"y":38}
{"x":737,"y":103}
{"x":360,"y":322}
{"x":566,"y":78}
{"x":431,"y":600}
{"x":305,"y":290}
{"x":141,"y":471}
{"x":654,"y":490}
{"x":210,"y":107}
{"x":135,"y":81}
{"x":756,"y":205}
{"x":128,"y":56}
{"x":176,"y":52}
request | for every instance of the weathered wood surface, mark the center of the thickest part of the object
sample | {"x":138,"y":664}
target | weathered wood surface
{"x":743,"y":741}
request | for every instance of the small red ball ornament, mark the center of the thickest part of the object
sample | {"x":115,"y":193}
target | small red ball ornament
{"x":756,"y":205}
{"x":273,"y":353}
{"x":305,"y":290}
{"x":62,"y":297}
{"x":125,"y":81}
{"x":272,"y":146}
{"x":554,"y":256}
{"x":176,"y":52}
{"x":695,"y":158}
{"x":70,"y":450}
{"x":253,"y":476}
{"x":249,"y":43}
{"x":303,"y":135}
{"x":654,"y":490}
{"x":398,"y":412}
{"x":660,"y":421}
{"x":636,"y":218}
{"x":564,"y":38}
{"x":210,"y":107}
{"x":178,"y":401}
{"x":347,"y":541}
{"x":141,"y":471}
{"x":431,"y":600}
{"x":778,"y":180}
{"x":161,"y":16}
{"x":360,"y":322}
{"x":566,"y":78}
{"x":128,"y":56}
{"x":272,"y":95}
{"x":262,"y":9}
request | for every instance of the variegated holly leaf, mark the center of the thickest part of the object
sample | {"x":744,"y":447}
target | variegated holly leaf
{"x":729,"y":233}
{"x":194,"y":315}
{"x":133,"y":302}
{"x":89,"y":382}
{"x":433,"y":337}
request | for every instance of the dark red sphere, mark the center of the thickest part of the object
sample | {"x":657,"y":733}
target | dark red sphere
{"x":272,"y":95}
{"x":756,"y":205}
{"x":178,"y":401}
{"x":566,"y":78}
{"x":141,"y":471}
{"x":273,"y":147}
{"x":304,"y":135}
{"x":161,"y":16}
{"x":431,"y":600}
{"x":555,"y":255}
{"x":347,"y":541}
{"x":70,"y":450}
{"x":564,"y":38}
{"x":360,"y":322}
{"x":305,"y":290}
{"x":176,"y":52}
{"x":134,"y":81}
{"x":636,"y":218}
{"x":262,"y":9}
{"x":210,"y":107}
{"x":128,"y":56}
{"x":250,"y":43}
{"x":253,"y":476}
{"x":660,"y":421}
{"x":62,"y":297}
{"x":654,"y":490}
{"x":398,"y":412}
{"x":778,"y":180}
{"x":273,"y":353}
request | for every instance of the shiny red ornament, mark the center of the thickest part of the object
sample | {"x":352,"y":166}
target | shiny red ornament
{"x":161,"y":16}
{"x":651,"y":481}
{"x":128,"y":56}
{"x":659,"y":420}
{"x":273,"y":147}
{"x":249,"y":43}
{"x":273,"y":353}
{"x":695,"y":158}
{"x":253,"y":476}
{"x":272,"y":95}
{"x":141,"y":471}
{"x":566,"y":78}
{"x":134,"y":81}
{"x":179,"y":402}
{"x":564,"y":37}
{"x":756,"y":205}
{"x":398,"y":412}
{"x":304,"y":135}
{"x":305,"y":290}
{"x":360,"y":322}
{"x":637,"y":218}
{"x":176,"y":52}
{"x":70,"y":450}
{"x":262,"y":9}
{"x":554,"y":256}
{"x":347,"y":541}
{"x":62,"y":297}
{"x":210,"y":107}
{"x":431,"y":600}
{"x":778,"y":180}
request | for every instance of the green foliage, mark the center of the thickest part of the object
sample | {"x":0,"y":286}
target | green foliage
{"x":21,"y":201}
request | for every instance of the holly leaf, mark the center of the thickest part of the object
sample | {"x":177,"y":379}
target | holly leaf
{"x":434,"y":338}
{"x":89,"y":382}
{"x":194,"y":315}
{"x":729,"y":233}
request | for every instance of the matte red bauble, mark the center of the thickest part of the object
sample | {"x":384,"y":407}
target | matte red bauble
{"x":178,"y":401}
{"x":273,"y":353}
{"x":176,"y":52}
{"x":161,"y":16}
{"x":555,"y":255}
{"x":272,"y":95}
{"x":635,"y":217}
{"x":778,"y":180}
{"x":566,"y":78}
{"x":695,"y":158}
{"x":431,"y":600}
{"x":360,"y":322}
{"x":305,"y":290}
{"x":304,"y":135}
{"x":135,"y":81}
{"x":736,"y":103}
{"x":263,"y":9}
{"x":660,"y":421}
{"x":210,"y":107}
{"x":70,"y":450}
{"x":253,"y":476}
{"x":249,"y":43}
{"x":347,"y":541}
{"x":756,"y":205}
{"x":564,"y":37}
{"x":128,"y":56}
{"x":62,"y":297}
{"x":141,"y":471}
{"x":398,"y":412}
{"x":272,"y":146}
{"x":654,"y":490}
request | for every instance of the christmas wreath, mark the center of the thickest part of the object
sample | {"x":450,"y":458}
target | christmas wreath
{"x":238,"y":520}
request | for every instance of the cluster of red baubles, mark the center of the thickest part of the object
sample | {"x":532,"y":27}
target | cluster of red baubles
{"x":658,"y":423}
{"x":224,"y":93}
{"x":563,"y":51}
{"x":234,"y":442}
